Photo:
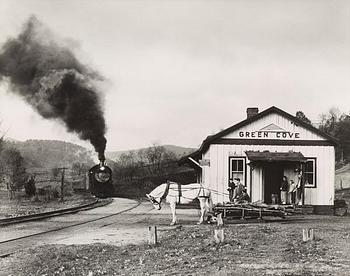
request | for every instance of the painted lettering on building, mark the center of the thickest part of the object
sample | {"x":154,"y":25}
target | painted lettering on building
{"x":269,"y":134}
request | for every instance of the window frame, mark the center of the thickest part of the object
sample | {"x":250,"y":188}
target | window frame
{"x":314,"y":184}
{"x":230,"y":171}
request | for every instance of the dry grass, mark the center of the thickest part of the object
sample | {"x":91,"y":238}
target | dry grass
{"x":250,"y":249}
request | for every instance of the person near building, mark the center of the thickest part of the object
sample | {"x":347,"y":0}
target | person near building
{"x":243,"y":198}
{"x":284,"y":190}
{"x":299,"y":188}
{"x":292,"y":191}
{"x":231,"y":188}
{"x":238,"y":191}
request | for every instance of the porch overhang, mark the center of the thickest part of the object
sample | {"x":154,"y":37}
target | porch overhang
{"x":267,"y":156}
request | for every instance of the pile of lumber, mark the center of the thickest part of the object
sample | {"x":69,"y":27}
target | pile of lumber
{"x":251,"y":210}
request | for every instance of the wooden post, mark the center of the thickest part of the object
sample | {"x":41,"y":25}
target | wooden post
{"x":219,"y":230}
{"x":305,"y":237}
{"x":311,"y":234}
{"x":152,"y":235}
{"x":220,"y":222}
{"x":242,"y":214}
{"x":308,"y":235}
{"x":219,"y":235}
{"x":62,"y":181}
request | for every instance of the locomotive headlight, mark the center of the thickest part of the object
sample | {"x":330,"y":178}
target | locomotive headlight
{"x":102,"y":176}
{"x":102,"y":168}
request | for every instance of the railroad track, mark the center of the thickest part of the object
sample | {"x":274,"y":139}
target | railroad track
{"x":44,"y":215}
{"x":10,"y":246}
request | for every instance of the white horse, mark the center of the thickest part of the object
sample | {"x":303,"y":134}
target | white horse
{"x":174,"y":193}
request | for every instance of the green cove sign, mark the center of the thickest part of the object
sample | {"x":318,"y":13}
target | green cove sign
{"x":269,"y":134}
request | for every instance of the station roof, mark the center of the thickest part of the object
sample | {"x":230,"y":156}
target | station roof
{"x":268,"y":156}
{"x":212,"y":139}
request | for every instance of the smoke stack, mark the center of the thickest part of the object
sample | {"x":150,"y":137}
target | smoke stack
{"x":48,"y":76}
{"x":102,"y":163}
{"x":252,"y":111}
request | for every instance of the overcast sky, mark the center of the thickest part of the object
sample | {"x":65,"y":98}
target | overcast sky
{"x":178,"y":71}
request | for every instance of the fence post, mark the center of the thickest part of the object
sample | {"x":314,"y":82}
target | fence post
{"x":219,"y":230}
{"x":308,"y":234}
{"x":152,"y":235}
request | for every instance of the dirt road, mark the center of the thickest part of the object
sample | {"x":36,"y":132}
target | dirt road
{"x":98,"y":225}
{"x":115,"y":246}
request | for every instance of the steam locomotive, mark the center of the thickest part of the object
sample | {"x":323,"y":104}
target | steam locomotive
{"x":100,"y":180}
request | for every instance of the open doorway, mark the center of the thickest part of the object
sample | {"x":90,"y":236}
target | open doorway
{"x":273,"y":174}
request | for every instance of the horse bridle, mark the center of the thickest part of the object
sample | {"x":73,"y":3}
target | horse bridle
{"x":154,"y":201}
{"x":166,"y":191}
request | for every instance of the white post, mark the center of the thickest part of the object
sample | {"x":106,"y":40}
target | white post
{"x":219,"y":230}
{"x":152,"y":235}
{"x":308,"y":235}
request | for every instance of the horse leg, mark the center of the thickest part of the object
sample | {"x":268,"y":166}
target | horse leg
{"x":173,"y":211}
{"x":203,"y":209}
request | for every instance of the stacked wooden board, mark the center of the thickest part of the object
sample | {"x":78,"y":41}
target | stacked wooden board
{"x":251,"y":210}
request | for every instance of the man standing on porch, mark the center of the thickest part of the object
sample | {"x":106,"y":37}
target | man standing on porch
{"x":284,"y":190}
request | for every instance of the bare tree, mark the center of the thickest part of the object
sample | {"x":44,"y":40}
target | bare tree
{"x":154,"y":156}
{"x":13,"y":171}
{"x":128,"y":165}
{"x":300,"y":115}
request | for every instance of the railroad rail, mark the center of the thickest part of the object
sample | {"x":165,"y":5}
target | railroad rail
{"x":7,"y":246}
{"x":60,"y":212}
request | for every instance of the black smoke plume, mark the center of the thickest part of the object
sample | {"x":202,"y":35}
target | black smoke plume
{"x":52,"y":80}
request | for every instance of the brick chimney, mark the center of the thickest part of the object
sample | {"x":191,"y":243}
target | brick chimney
{"x":252,"y":111}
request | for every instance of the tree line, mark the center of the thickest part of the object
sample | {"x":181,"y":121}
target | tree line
{"x":12,"y":168}
{"x":336,"y":124}
{"x":17,"y":171}
{"x":155,"y":160}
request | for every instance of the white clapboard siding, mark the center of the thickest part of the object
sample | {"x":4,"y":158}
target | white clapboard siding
{"x":216,"y":175}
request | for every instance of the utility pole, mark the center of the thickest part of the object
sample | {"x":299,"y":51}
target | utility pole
{"x":63,"y":169}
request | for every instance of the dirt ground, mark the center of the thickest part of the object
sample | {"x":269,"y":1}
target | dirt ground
{"x":26,"y":206}
{"x":274,"y":248}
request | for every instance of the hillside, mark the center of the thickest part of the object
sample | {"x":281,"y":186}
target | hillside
{"x":179,"y":151}
{"x":51,"y":153}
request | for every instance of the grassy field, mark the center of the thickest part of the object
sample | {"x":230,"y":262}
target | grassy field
{"x":249,"y":249}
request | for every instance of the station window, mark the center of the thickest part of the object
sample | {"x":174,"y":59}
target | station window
{"x":310,"y":173}
{"x":237,"y":169}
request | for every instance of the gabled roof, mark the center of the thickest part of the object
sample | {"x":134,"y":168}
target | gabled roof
{"x":213,"y":138}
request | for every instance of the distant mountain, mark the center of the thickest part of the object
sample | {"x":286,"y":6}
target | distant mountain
{"x":177,"y":150}
{"x":51,"y":153}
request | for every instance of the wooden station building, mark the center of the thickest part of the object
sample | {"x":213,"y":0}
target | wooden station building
{"x":260,"y":151}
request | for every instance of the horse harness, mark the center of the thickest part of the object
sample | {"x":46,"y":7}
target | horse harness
{"x":166,"y":191}
{"x":201,"y":192}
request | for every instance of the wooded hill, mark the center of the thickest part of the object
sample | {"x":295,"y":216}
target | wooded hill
{"x":51,"y":153}
{"x":177,"y":150}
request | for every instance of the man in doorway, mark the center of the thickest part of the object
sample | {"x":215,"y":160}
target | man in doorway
{"x":238,"y":191}
{"x":299,"y":188}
